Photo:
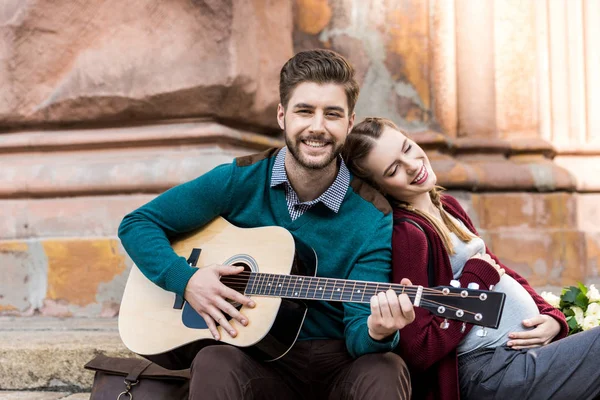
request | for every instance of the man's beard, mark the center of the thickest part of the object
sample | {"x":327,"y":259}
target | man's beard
{"x":293,"y":148}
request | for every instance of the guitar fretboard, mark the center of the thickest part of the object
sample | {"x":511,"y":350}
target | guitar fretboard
{"x":315,"y":288}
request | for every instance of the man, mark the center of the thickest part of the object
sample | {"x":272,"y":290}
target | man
{"x":343,"y":349}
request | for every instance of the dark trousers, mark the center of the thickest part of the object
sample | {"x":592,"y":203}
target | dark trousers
{"x":315,"y":369}
{"x":567,"y":369}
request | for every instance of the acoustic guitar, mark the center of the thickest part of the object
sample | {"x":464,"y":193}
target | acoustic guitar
{"x":280,"y":276}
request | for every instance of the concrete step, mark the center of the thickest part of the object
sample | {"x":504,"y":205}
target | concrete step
{"x":45,"y":395}
{"x":44,"y":356}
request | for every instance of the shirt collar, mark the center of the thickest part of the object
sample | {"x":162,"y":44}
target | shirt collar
{"x":332,"y":197}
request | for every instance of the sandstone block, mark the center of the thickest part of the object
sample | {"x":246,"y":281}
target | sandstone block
{"x":109,"y":60}
{"x":24,"y":276}
{"x":83,"y":216}
{"x":555,"y":258}
{"x":526,"y":210}
{"x":79,"y":270}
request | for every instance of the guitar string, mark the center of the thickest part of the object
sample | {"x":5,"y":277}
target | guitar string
{"x":424,"y":301}
{"x":242,"y":284}
{"x":241,"y":287}
{"x":369,"y":292}
{"x":312,"y":280}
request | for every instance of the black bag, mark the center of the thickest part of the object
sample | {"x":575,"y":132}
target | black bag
{"x":134,"y":378}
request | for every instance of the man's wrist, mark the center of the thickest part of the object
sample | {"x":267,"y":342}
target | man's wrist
{"x":379,"y":337}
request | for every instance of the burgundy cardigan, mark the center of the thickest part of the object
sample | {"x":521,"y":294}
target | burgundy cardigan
{"x":428,"y":350}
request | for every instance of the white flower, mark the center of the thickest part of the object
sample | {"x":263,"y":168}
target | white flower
{"x":593,"y":294}
{"x":593,"y":310}
{"x":551,"y":299}
{"x":590,"y":322}
{"x":578,"y":315}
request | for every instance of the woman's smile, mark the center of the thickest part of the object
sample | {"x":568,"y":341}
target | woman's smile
{"x":421,"y":177}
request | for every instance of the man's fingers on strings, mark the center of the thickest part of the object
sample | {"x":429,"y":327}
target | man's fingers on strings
{"x":384,"y":305}
{"x":234,"y":295}
{"x":406,"y":282}
{"x":227,"y":307}
{"x":393,"y":304}
{"x":210,"y":323}
{"x":407,"y":307}
{"x":229,"y":270}
{"x":218,"y":316}
{"x":375,"y":309}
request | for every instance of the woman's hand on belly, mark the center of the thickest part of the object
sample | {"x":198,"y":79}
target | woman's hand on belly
{"x":545,"y":329}
{"x":488,"y":259}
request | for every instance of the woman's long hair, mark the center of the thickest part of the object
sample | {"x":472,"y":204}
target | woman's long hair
{"x":359,"y":144}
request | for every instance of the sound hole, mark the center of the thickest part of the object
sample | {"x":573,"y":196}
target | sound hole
{"x":243,"y":264}
{"x":247,"y":268}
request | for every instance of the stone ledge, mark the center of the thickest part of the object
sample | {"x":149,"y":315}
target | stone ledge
{"x":180,"y":132}
{"x":148,"y":159}
{"x":49,"y":353}
{"x":42,"y":395}
{"x":152,"y":158}
{"x":495,"y":173}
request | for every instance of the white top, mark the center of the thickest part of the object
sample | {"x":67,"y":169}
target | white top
{"x":518,"y":306}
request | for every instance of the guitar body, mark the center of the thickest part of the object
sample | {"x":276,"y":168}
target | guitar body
{"x":152,"y":321}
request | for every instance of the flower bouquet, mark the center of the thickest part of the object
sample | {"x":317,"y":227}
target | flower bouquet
{"x":579,"y":304}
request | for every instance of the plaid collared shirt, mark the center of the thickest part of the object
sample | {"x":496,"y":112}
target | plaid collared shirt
{"x":332,"y":197}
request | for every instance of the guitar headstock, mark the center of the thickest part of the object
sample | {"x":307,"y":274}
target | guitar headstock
{"x":478,"y":307}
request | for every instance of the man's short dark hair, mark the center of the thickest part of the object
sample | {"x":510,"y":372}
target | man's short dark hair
{"x":319,"y":66}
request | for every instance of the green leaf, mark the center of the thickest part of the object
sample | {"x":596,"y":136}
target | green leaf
{"x":573,"y":325}
{"x":568,"y":313}
{"x":582,"y":287}
{"x":568,"y":296}
{"x":581,"y":301}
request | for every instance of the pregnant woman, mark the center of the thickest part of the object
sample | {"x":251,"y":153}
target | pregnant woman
{"x":528,"y":356}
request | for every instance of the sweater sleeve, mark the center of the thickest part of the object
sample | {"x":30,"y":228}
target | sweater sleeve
{"x":423,"y":343}
{"x":372,"y":265}
{"x":146,"y":232}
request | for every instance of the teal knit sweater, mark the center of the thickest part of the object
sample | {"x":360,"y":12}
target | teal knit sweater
{"x":354,"y":243}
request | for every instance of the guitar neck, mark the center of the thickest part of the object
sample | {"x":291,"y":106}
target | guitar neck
{"x":474,"y":306}
{"x":328,"y":289}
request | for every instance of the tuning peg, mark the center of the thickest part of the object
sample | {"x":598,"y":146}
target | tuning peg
{"x":455,"y":283}
{"x":473,"y":285}
{"x":444,"y":324}
{"x":482,"y":332}
{"x":491,"y":287}
{"x":463,"y":327}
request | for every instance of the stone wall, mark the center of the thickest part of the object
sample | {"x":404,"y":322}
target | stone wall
{"x":104,"y":104}
{"x":104,"y":61}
